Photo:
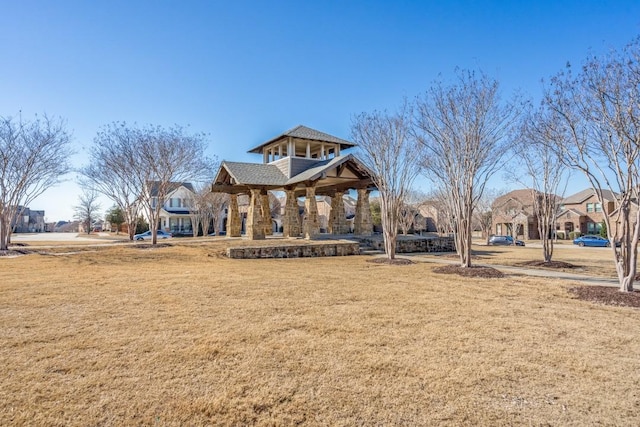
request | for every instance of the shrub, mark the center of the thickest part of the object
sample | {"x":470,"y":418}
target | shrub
{"x":574,"y":235}
{"x":603,"y":229}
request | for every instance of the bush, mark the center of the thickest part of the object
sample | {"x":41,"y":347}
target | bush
{"x":574,"y":235}
{"x":603,"y":230}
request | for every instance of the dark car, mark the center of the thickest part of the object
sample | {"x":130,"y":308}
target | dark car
{"x":592,"y":240}
{"x":504,"y":240}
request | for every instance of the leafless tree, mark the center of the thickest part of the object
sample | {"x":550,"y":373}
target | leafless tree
{"x":594,"y":125}
{"x":207,"y":208}
{"x":410,"y":210}
{"x":483,"y":214}
{"x":440,"y":204}
{"x":388,"y":151}
{"x":543,"y":172}
{"x":88,"y":209}
{"x":145,"y":163}
{"x":34,"y":155}
{"x":464,"y":130}
{"x":112,"y":163}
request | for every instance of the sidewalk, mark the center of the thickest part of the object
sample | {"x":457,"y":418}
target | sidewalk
{"x":512,"y":270}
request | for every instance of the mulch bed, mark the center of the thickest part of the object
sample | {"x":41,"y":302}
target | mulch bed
{"x":551,"y":264}
{"x":395,"y":261}
{"x":473,"y":271}
{"x":607,"y":296}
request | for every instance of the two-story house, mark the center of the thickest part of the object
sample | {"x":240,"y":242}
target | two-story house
{"x":175,"y":212}
{"x":514,"y":214}
{"x":28,"y":221}
{"x":584,"y":212}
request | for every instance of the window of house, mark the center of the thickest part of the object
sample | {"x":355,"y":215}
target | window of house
{"x":590,"y":207}
{"x":154,"y":200}
{"x":593,"y":227}
{"x":598,"y":207}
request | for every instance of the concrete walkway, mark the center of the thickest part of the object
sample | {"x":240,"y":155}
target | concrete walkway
{"x":513,"y":270}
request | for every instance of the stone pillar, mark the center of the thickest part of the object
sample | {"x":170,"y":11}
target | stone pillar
{"x":291,"y":220}
{"x":362,"y":224}
{"x":255,"y":229}
{"x":266,"y":214}
{"x":337,"y":219}
{"x":311,"y":225}
{"x":234,"y":223}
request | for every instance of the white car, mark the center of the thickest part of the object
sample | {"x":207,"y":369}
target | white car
{"x":147,"y":235}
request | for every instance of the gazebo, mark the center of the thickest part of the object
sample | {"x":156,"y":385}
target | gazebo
{"x":301,"y":162}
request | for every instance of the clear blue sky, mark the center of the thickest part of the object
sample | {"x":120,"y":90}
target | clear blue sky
{"x":245,"y":71}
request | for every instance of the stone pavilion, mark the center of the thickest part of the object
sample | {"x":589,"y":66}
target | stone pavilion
{"x":301,"y":162}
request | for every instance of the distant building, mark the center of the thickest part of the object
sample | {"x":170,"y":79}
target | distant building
{"x":29,"y":221}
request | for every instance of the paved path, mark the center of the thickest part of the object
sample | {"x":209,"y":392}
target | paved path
{"x":513,"y":270}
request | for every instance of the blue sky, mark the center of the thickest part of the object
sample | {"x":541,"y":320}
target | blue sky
{"x":245,"y":71}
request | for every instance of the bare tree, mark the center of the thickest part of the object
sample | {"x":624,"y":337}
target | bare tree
{"x":464,"y":130}
{"x":145,"y":162}
{"x":483,"y":214}
{"x":593,"y":123}
{"x":88,"y":208}
{"x":388,"y":150}
{"x":440,"y":204}
{"x":34,"y":155}
{"x":544,"y":174}
{"x":410,"y":210}
{"x":111,"y":168}
{"x":206,"y":209}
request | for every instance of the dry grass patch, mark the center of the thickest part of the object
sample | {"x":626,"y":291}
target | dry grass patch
{"x":175,"y":336}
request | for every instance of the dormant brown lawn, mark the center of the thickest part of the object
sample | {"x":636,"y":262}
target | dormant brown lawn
{"x":182,"y":336}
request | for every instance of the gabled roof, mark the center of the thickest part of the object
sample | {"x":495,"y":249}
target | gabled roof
{"x":270,"y":175}
{"x":253,"y":173}
{"x":303,"y":132}
{"x":607,"y":195}
{"x":173,"y":186}
{"x":572,"y":211}
{"x":524,"y":196}
{"x":316,"y":172}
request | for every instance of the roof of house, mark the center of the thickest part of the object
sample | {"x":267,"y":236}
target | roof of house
{"x":607,"y":195}
{"x":154,"y":186}
{"x":303,"y":132}
{"x":571,"y":211}
{"x":524,"y":196}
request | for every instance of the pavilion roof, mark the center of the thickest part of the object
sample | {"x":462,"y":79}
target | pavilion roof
{"x":306,"y":133}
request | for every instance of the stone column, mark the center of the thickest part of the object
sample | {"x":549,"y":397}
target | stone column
{"x":291,"y":220}
{"x":234,"y":223}
{"x":255,"y":229}
{"x":311,"y":225}
{"x":362,"y":224}
{"x":266,"y":214}
{"x":337,"y":220}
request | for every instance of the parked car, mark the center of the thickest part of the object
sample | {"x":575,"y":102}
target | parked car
{"x":504,"y":240}
{"x":593,"y":240}
{"x":147,"y":235}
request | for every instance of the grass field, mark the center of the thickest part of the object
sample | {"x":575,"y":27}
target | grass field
{"x":179,"y":335}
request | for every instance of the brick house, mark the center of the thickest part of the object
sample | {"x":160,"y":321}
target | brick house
{"x":584,"y":212}
{"x":516,"y":209}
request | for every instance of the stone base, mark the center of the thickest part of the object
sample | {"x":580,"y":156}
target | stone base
{"x":295,"y":251}
{"x":410,"y":244}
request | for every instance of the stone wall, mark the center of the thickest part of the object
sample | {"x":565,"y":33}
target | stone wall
{"x":295,"y":251}
{"x":413,"y":244}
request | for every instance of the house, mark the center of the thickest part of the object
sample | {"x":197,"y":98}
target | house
{"x":584,"y":212}
{"x":175,"y":213}
{"x":514,"y":214}
{"x":28,"y":221}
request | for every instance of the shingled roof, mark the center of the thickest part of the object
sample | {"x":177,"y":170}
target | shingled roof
{"x":303,"y":132}
{"x":255,"y":173}
{"x":607,"y":195}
